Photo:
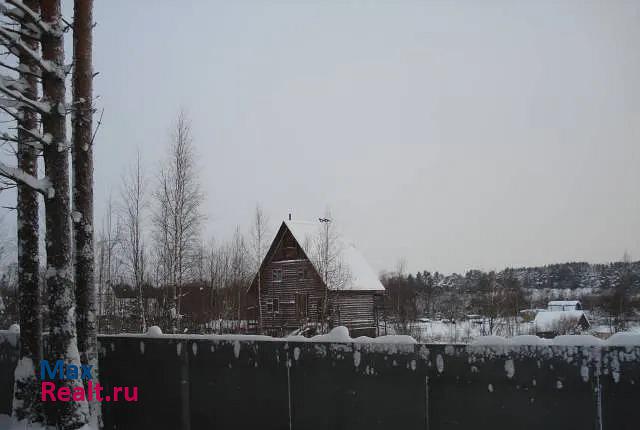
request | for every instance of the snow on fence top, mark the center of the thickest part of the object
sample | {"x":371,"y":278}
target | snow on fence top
{"x":618,"y":339}
{"x":339,"y":334}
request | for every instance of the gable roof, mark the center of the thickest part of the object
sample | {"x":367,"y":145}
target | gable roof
{"x":362,"y":276}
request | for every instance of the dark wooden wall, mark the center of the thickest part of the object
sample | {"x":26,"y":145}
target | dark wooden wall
{"x":300,"y":281}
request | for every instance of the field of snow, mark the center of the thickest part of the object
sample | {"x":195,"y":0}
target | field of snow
{"x":468,"y":330}
{"x":462,"y":331}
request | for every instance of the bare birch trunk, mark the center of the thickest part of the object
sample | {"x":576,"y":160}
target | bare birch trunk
{"x":27,"y":405}
{"x":62,"y":324}
{"x":82,"y":153}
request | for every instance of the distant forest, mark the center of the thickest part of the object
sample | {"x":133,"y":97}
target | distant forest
{"x":611,"y":292}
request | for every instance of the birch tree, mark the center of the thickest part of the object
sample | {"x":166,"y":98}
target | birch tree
{"x":239,"y":271}
{"x":178,"y":216}
{"x":109,"y":240}
{"x":326,"y":252}
{"x":134,"y":203}
{"x":259,"y":231}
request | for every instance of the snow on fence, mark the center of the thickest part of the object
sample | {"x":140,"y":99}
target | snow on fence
{"x":335,"y":382}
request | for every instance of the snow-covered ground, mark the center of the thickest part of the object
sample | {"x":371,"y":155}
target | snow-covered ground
{"x":468,"y":330}
{"x":462,"y":331}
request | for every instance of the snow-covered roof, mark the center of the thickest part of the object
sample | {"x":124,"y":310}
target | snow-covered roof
{"x":563,"y":303}
{"x":362,"y":276}
{"x":548,"y":320}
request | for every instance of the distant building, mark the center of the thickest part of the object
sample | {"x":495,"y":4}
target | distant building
{"x":125,"y":297}
{"x":564,"y":305}
{"x":549,"y":324}
{"x":292,"y":290}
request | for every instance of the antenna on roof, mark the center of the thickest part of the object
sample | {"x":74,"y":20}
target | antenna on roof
{"x":289,"y":216}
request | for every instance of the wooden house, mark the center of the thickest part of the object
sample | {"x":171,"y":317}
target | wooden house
{"x":292,"y":291}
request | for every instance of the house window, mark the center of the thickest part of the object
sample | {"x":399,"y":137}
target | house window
{"x":277,"y":275}
{"x":301,"y":273}
{"x":273,"y":306}
{"x":302,"y":304}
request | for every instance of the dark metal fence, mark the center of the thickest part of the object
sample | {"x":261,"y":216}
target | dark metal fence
{"x":203,"y":383}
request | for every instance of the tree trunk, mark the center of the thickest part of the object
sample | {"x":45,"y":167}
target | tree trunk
{"x":82,"y":153}
{"x":27,"y":405}
{"x":59,"y":276}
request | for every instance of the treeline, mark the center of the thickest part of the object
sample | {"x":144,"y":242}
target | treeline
{"x":610,"y":291}
{"x":151,"y":255}
{"x":151,"y":250}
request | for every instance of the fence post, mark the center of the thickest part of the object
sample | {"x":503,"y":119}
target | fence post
{"x":185,"y":407}
{"x":426,"y":411}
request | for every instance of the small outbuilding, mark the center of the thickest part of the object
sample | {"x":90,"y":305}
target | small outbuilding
{"x":549,"y":324}
{"x":564,"y":305}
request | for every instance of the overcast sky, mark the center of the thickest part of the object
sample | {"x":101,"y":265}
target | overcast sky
{"x":452,"y":134}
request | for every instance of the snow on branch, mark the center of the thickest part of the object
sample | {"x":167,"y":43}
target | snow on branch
{"x":28,"y":31}
{"x":37,"y":141}
{"x":22,"y":68}
{"x":12,"y":83}
{"x":17,"y":46}
{"x":11,"y":89}
{"x":42,"y":186}
{"x":22,"y":11}
{"x":43,"y":139}
{"x":6,"y":105}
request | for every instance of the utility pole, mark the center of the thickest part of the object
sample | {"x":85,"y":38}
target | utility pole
{"x":326,"y":222}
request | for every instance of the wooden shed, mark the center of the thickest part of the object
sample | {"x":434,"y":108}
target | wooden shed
{"x":293,"y":293}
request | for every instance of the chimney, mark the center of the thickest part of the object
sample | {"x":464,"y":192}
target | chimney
{"x":289,"y":217}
